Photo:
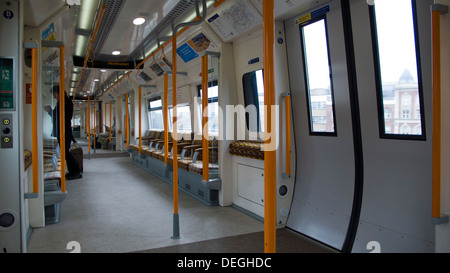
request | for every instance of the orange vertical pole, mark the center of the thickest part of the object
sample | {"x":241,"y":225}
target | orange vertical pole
{"x":288,"y":135}
{"x":166,"y":118}
{"x":105,"y":117}
{"x":140,"y":120}
{"x":127,"y":122}
{"x":110,"y":121}
{"x":269,"y":156}
{"x":34,"y":115}
{"x":62,"y":117}
{"x":436,"y":33}
{"x":89,"y":124}
{"x":176,"y":225}
{"x":95,"y":130}
{"x":205,"y":133}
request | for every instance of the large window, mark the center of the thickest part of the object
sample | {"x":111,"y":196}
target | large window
{"x":399,"y":91}
{"x":318,"y":78}
{"x":155,"y":114}
{"x":213,"y":106}
{"x":183,"y":120}
{"x":254,"y":100}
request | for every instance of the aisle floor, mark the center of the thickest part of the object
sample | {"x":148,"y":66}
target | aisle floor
{"x":118,"y":207}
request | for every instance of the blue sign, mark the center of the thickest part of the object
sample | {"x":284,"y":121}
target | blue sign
{"x":187,"y":53}
{"x":8,"y":14}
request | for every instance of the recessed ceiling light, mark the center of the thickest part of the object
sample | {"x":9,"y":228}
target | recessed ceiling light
{"x":138,"y":21}
{"x":116,"y":52}
{"x":96,"y":80}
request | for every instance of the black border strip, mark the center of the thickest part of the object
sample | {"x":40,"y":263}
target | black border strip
{"x":305,"y":74}
{"x":356,"y":125}
{"x":378,"y":84}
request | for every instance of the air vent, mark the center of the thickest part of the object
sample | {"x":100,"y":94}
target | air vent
{"x":145,"y":77}
{"x":170,"y":19}
{"x":112,"y":11}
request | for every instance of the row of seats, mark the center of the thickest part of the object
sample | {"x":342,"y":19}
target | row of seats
{"x":190,"y":163}
{"x":189,"y":153}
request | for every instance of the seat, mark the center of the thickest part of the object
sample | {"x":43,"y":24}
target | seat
{"x":248,"y":148}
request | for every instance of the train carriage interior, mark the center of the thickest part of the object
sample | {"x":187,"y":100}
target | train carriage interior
{"x":224,"y":126}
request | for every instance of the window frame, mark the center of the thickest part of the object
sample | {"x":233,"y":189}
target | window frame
{"x":170,"y":117}
{"x":212,"y":83}
{"x":379,"y":84}
{"x":249,"y":99}
{"x":305,"y":74}
{"x":154,"y":109}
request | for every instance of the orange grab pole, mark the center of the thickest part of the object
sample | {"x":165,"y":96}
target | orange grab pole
{"x":62,"y":117}
{"x":34,"y":115}
{"x":205,"y":153}
{"x":436,"y":30}
{"x":140,"y":120}
{"x":269,"y":156}
{"x":106,"y":113}
{"x":176,"y":219}
{"x":288,"y":135}
{"x":174,"y":127}
{"x":95,"y":129}
{"x":110,"y":121}
{"x":127,"y":122}
{"x":166,"y":116}
{"x":89,"y":123}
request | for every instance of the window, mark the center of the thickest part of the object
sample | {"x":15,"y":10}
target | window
{"x":183,"y":120}
{"x":394,"y":33}
{"x":213,"y":106}
{"x":254,"y":100}
{"x":155,"y":114}
{"x":318,"y":78}
{"x":405,"y":114}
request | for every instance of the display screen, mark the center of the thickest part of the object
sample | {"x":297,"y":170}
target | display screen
{"x":6,"y":84}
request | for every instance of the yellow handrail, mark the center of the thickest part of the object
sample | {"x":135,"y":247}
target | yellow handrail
{"x":105,"y":117}
{"x":140,"y":120}
{"x":95,"y":130}
{"x":436,"y":33}
{"x":110,"y":121}
{"x":269,"y":155}
{"x":166,"y":118}
{"x":34,"y":115}
{"x":176,"y":225}
{"x":127,"y":122}
{"x":205,"y":131}
{"x":89,"y":124}
{"x":288,"y":135}
{"x":62,"y":115}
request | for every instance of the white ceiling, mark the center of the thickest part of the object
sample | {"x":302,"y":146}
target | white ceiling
{"x":125,"y":36}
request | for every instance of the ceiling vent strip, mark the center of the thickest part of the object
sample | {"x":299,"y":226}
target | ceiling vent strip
{"x":169,"y":20}
{"x":112,"y":12}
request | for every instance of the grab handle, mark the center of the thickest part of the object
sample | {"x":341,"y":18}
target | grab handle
{"x":287,"y":97}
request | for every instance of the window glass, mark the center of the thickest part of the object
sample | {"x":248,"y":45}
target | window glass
{"x":213,"y":106}
{"x":399,"y":89}
{"x":155,"y":114}
{"x":183,"y":120}
{"x":318,"y":78}
{"x":254,"y":100}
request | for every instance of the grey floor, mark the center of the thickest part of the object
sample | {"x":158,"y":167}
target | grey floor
{"x":117,"y":207}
